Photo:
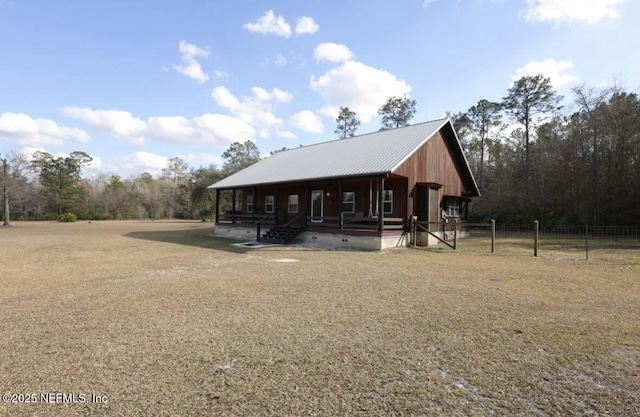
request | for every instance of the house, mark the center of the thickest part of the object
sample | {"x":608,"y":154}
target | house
{"x":360,"y":192}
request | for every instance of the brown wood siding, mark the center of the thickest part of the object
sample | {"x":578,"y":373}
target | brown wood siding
{"x":332,"y":208}
{"x":441,"y":167}
{"x":366,"y":193}
{"x":433,"y":162}
{"x":361,"y":190}
{"x":283,"y":199}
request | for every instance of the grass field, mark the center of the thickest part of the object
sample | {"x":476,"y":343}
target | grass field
{"x":162,"y":319}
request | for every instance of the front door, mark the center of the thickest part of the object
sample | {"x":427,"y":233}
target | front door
{"x":317,"y":206}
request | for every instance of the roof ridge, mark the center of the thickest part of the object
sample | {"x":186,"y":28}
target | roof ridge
{"x":362,"y":135}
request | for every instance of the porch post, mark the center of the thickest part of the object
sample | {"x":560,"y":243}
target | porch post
{"x":276,"y":202}
{"x":341,"y":219}
{"x":217,"y":218}
{"x":380,"y":204}
{"x":408,"y":208}
{"x":233,"y":206}
{"x":253,"y":212}
{"x":307,"y":199}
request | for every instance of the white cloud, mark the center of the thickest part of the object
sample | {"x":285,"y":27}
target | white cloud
{"x":280,"y":60}
{"x":362,"y":88}
{"x":221,"y":75}
{"x":201,"y":159}
{"x":571,"y":11}
{"x":211,"y":130}
{"x":141,"y":162}
{"x":282,"y":96}
{"x":171,"y":128}
{"x":426,"y":3}
{"x":549,"y":68}
{"x":256,"y":110}
{"x":261,"y":94}
{"x":285,"y":134}
{"x":190,"y":67}
{"x":224,"y":98}
{"x":28,"y":151}
{"x":307,"y":121}
{"x":118,"y":122}
{"x":264,"y":133}
{"x":306,"y":25}
{"x":333,"y":52}
{"x":96,"y":162}
{"x":25,"y":130}
{"x":269,"y":23}
{"x":189,"y":50}
{"x":51,"y":128}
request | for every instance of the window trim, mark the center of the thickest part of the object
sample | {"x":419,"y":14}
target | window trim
{"x":352,"y":202}
{"x":385,"y":201}
{"x":453,"y":208}
{"x":267,"y":204}
{"x":290,"y":204}
{"x":250,"y":205}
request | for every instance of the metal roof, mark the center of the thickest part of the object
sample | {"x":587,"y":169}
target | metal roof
{"x":369,"y":154}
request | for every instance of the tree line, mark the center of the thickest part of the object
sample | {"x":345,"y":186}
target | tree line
{"x":534,"y":160}
{"x":531,"y":158}
{"x":49,"y":188}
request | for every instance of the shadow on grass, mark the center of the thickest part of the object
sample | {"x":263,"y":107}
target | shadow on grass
{"x":204,"y":238}
{"x":200,"y":238}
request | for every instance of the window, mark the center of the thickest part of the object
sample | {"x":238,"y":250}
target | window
{"x":453,"y":208}
{"x":268,"y":204}
{"x":349,"y":202}
{"x":293,"y":203}
{"x":249,"y":204}
{"x":387,"y":201}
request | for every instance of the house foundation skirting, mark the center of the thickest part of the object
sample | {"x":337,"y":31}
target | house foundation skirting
{"x":353,"y":241}
{"x":235,"y":232}
{"x":335,"y":239}
{"x":326,"y":239}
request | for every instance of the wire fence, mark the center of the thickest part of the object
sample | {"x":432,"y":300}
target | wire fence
{"x":607,"y":243}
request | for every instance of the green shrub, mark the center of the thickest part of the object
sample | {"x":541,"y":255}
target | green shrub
{"x":67,"y":218}
{"x":47,"y":217}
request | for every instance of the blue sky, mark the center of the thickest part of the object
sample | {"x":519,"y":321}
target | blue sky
{"x":134,"y":82}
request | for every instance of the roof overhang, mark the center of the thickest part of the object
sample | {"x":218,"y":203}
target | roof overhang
{"x":304,"y":181}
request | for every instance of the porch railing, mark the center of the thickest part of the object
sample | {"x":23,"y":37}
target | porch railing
{"x":344,"y":221}
{"x":243,"y":218}
{"x":259,"y":224}
{"x":290,"y":223}
{"x":293,"y":221}
{"x":356,"y":222}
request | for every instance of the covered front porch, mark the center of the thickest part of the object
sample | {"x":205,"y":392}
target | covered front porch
{"x":363,"y":207}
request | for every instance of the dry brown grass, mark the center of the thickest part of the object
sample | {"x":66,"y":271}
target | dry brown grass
{"x":163,"y":319}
